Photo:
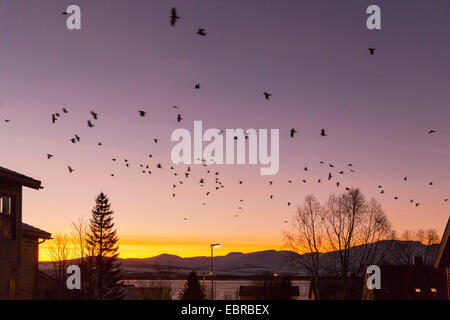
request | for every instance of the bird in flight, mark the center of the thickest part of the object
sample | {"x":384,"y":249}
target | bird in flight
{"x":372,"y":51}
{"x":70,"y":169}
{"x":142,"y":113}
{"x":431,"y":131}
{"x":179,"y":118}
{"x":201,"y":32}
{"x":267,"y":95}
{"x":173,"y":17}
{"x":197,"y":86}
{"x":65,"y":110}
{"x":323,"y":133}
{"x":293,"y":132}
{"x":90,"y":125}
{"x":94,"y":115}
{"x":49,"y":156}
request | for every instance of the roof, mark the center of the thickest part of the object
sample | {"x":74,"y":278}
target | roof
{"x":443,"y":255}
{"x":19,"y":178}
{"x":332,"y":288}
{"x":410,"y":282}
{"x":33,"y":232}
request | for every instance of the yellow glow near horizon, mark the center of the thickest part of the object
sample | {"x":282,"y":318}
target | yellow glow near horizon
{"x":145,"y":248}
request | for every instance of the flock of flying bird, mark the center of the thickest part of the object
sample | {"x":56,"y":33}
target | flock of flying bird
{"x":181,"y":176}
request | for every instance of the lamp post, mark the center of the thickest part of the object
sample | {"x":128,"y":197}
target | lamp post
{"x":214,"y":245}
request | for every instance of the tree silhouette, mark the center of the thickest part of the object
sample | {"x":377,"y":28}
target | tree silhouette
{"x":102,"y":240}
{"x":192,"y":289}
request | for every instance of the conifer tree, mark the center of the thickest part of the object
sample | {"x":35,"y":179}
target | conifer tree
{"x":102,"y":239}
{"x":192,"y":289}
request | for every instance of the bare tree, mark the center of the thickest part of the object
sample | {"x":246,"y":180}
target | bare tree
{"x":417,"y":243}
{"x":307,"y":238}
{"x":158,"y":289}
{"x":60,"y":253}
{"x":374,"y":228}
{"x":84,"y":253}
{"x":80,"y":230}
{"x":354,"y":228}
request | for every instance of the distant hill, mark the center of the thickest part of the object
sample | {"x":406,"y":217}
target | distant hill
{"x":254,"y":263}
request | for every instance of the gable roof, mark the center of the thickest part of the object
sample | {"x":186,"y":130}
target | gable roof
{"x":33,"y":232}
{"x":443,"y":255}
{"x":19,"y":178}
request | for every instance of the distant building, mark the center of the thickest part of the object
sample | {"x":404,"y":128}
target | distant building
{"x":19,"y":242}
{"x":417,"y":281}
{"x":267,"y":293}
{"x":331,"y":288}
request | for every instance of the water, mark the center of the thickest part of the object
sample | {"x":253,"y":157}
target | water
{"x":225,"y":289}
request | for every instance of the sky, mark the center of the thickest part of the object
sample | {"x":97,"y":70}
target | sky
{"x":312,"y":56}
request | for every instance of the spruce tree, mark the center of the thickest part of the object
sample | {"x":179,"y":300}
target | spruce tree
{"x":192,"y":289}
{"x":102,"y":240}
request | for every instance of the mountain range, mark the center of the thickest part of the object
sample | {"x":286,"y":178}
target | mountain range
{"x":248,"y":264}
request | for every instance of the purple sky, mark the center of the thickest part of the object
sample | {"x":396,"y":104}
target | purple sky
{"x":311,"y":55}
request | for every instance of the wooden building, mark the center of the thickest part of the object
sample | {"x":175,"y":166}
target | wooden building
{"x":19,"y":242}
{"x":417,"y":281}
{"x":442,"y":260}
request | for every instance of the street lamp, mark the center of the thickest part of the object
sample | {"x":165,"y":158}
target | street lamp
{"x":214,"y":245}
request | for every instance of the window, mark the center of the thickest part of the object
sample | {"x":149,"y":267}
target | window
{"x":417,"y":289}
{"x":7,"y":221}
{"x":433,"y":290}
